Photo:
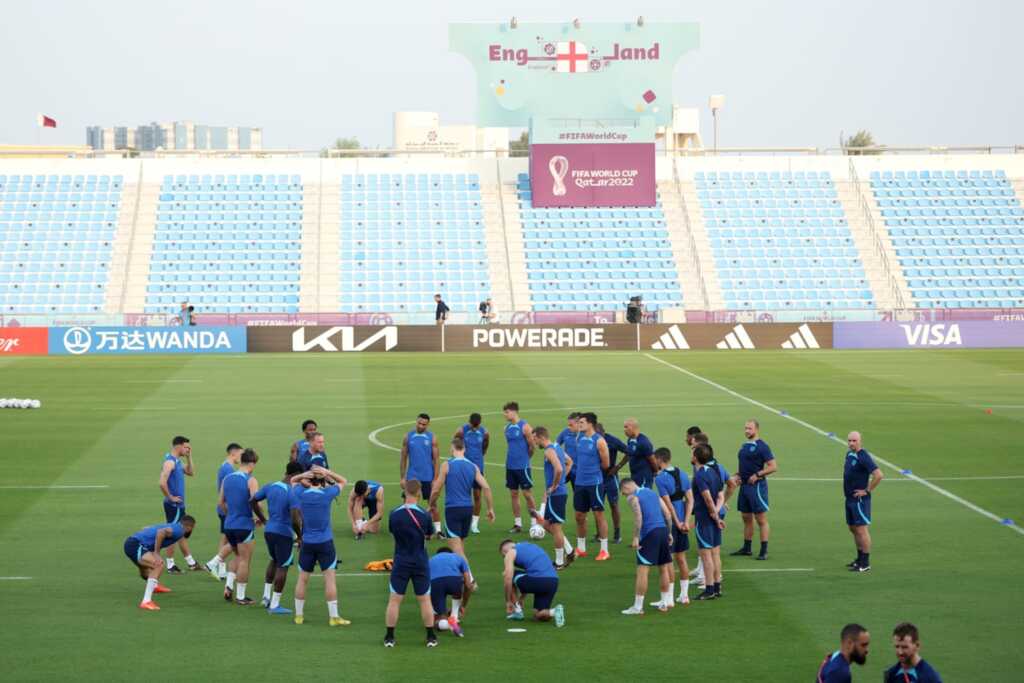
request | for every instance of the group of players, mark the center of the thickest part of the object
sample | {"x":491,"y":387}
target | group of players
{"x":665,"y":503}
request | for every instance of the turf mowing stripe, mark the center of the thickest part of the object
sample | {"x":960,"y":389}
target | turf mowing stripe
{"x":61,"y":487}
{"x":938,"y":489}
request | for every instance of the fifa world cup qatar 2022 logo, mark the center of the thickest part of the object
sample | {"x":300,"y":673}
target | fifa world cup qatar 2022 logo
{"x":559,"y":167}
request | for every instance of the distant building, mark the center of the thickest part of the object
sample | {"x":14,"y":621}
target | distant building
{"x":177,"y":135}
{"x":422,"y":132}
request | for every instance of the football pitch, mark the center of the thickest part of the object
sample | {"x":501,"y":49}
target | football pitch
{"x":80,"y":475}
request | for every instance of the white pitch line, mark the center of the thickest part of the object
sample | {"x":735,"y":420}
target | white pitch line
{"x":789,"y":569}
{"x":61,"y":486}
{"x":527,"y":379}
{"x":15,"y":578}
{"x":924,"y":482}
{"x":163,"y":381}
{"x":904,"y":477}
{"x":350,"y":574}
{"x":364,"y":379}
{"x":1010,"y":374}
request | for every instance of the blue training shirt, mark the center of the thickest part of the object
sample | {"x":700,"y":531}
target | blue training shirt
{"x":371,"y":491}
{"x":443,"y":565}
{"x":315,"y":504}
{"x":474,"y":440}
{"x":857,"y":471}
{"x":534,"y":561}
{"x":147,"y":535}
{"x":615,"y":446}
{"x":458,"y":485}
{"x":280,"y":500}
{"x":301,"y":449}
{"x":549,"y":471}
{"x":921,"y":673}
{"x":224,"y":470}
{"x":650,"y":511}
{"x":752,"y":457}
{"x":666,"y":484}
{"x":639,"y":449}
{"x":421,"y":456}
{"x":588,"y":460}
{"x":835,"y":669}
{"x":518,"y":456}
{"x":410,"y":525}
{"x":176,"y":480}
{"x":707,"y":479}
{"x":237,"y":499}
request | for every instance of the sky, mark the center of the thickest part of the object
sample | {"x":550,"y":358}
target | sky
{"x":794,"y":72}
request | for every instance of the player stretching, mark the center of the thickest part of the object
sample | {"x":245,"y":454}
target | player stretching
{"x":567,"y":440}
{"x":674,"y":488}
{"x":528,"y":570}
{"x":756,"y":462}
{"x":419,"y":462}
{"x":217,"y":566}
{"x":277,"y":533}
{"x":410,"y":526}
{"x":477,"y":441}
{"x":457,"y":477}
{"x":707,"y":485}
{"x":172,"y":485}
{"x":519,"y":436}
{"x":367,"y":494}
{"x":450,"y":575}
{"x":236,"y":500}
{"x":557,"y":466}
{"x":652,"y":519}
{"x":591,"y":464}
{"x":301,"y":447}
{"x":860,"y":477}
{"x":143,"y":549}
{"x":610,"y":485}
{"x":314,"y":506}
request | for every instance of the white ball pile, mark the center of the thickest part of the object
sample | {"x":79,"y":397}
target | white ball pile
{"x":20,"y":403}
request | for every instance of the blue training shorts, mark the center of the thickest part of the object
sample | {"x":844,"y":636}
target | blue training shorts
{"x":518,"y":479}
{"x":587,"y":498}
{"x":458,"y":520}
{"x":312,"y":554}
{"x":543,"y":588}
{"x":173,"y":513}
{"x":554,"y":511}
{"x":441,"y":588}
{"x":239,"y":536}
{"x":402,"y":574}
{"x":858,"y":511}
{"x":708,"y":534}
{"x":754,"y":498}
{"x":279,"y":547}
{"x":653,"y":548}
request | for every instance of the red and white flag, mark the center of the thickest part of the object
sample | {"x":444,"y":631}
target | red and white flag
{"x":47,"y":122}
{"x":572,"y":57}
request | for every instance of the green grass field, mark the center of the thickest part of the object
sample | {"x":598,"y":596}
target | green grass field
{"x":108,"y":422}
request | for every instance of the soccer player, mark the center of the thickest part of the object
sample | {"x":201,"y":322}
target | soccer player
{"x":477,"y":440}
{"x":143,"y":549}
{"x":610,"y":485}
{"x":419,"y":461}
{"x":641,"y":454}
{"x":528,"y":570}
{"x":410,"y":526}
{"x":315,"y":455}
{"x":217,"y":566}
{"x":591,"y":464}
{"x":567,"y":440}
{"x":301,"y":447}
{"x":519,"y":436}
{"x":860,"y":477}
{"x":652,"y":519}
{"x":172,"y":485}
{"x":707,"y":487}
{"x":557,"y":466}
{"x":278,"y":535}
{"x":910,"y":666}
{"x":854,"y":641}
{"x":457,"y":477}
{"x":756,"y":462}
{"x":367,"y":494}
{"x":314,"y":507}
{"x":450,"y":575}
{"x":236,"y":500}
{"x":674,"y":488}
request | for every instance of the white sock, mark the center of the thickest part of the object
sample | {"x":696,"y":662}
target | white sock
{"x":518,"y":521}
{"x":240,"y":591}
{"x":456,"y":604}
{"x":170,"y":562}
{"x":666,"y":598}
{"x":190,"y":560}
{"x":581,"y":544}
{"x":684,"y":587}
{"x":566,"y":545}
{"x":150,"y":587}
{"x":299,"y":606}
{"x":230,"y":583}
{"x":275,"y":600}
{"x":517,"y":607}
{"x":559,"y":555}
{"x":332,"y":608}
{"x":267,"y":588}
{"x":214,"y":562}
{"x":543,"y":507}
{"x":604,"y":545}
{"x":222,"y":570}
{"x":476,"y":522}
{"x":700,"y":568}
{"x":437,"y":527}
{"x":638,"y":602}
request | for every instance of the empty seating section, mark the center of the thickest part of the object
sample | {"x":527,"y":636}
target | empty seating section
{"x":958,"y":236}
{"x":596,"y":259}
{"x":781,"y":241}
{"x":56,"y":239}
{"x":406,"y":237}
{"x":227,"y":243}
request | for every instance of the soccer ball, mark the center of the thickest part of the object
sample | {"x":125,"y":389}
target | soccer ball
{"x":537,"y":532}
{"x":26,"y":403}
{"x":36,"y":403}
{"x":360,"y":525}
{"x":443,"y":625}
{"x":3,"y":402}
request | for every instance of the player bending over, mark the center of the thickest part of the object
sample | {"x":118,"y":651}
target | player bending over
{"x":450,"y":575}
{"x":143,"y":549}
{"x":367,"y":494}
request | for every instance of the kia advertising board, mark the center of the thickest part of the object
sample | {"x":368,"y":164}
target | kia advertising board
{"x":23,"y":341}
{"x":77,"y":341}
{"x":344,"y":338}
{"x":976,"y":334}
{"x":540,"y":338}
{"x":612,"y":174}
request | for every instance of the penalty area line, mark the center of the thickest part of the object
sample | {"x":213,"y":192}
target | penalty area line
{"x":829,"y":435}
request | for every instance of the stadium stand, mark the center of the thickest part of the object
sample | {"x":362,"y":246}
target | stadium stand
{"x":405,"y":237}
{"x":596,"y":259}
{"x":958,"y":235}
{"x":781,"y":241}
{"x":56,"y":238}
{"x":227,"y":243}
